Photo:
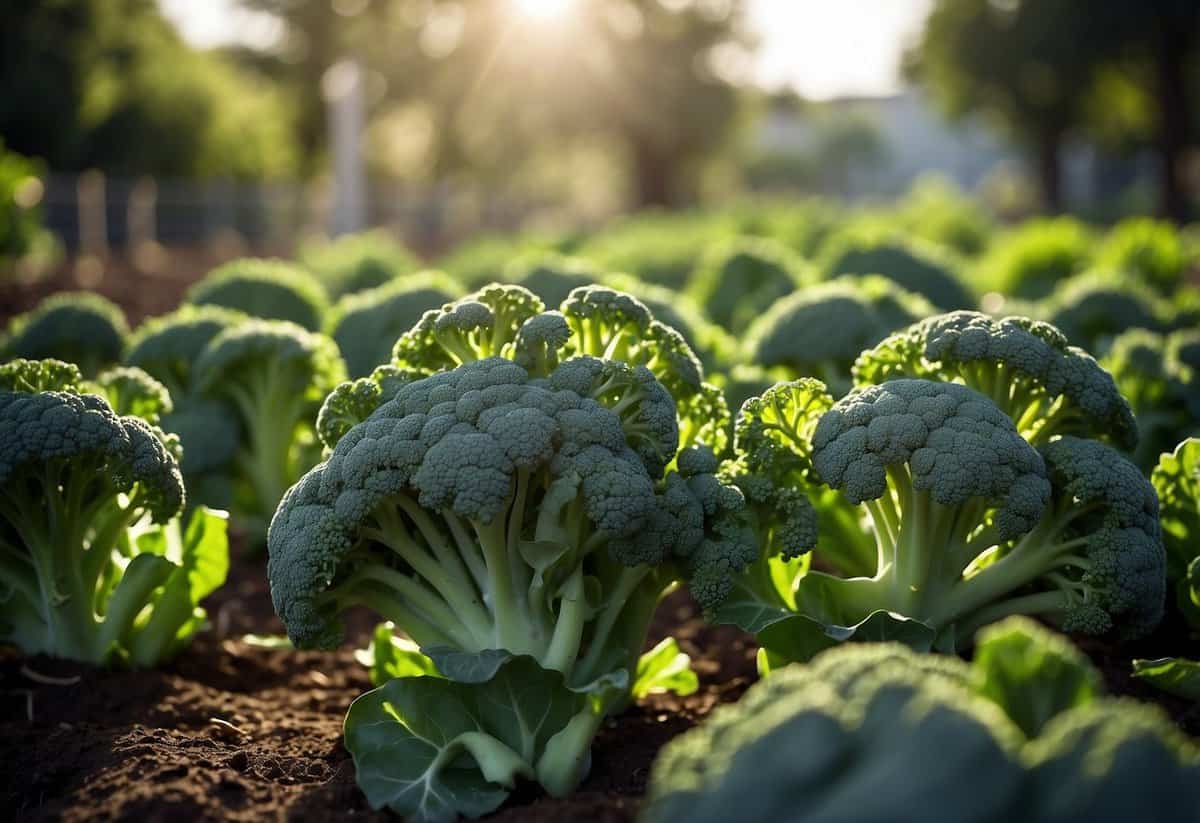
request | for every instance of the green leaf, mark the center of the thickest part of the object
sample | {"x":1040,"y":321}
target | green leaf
{"x":432,"y":749}
{"x":468,"y":667}
{"x":1032,"y":673}
{"x":389,"y":656}
{"x":1174,"y":675}
{"x":665,"y":669}
{"x":201,"y":563}
{"x":268,"y":641}
{"x":751,"y":605}
{"x":798,"y":638}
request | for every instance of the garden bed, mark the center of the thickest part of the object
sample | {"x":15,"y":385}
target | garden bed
{"x":235,"y":731}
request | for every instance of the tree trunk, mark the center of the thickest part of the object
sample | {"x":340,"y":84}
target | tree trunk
{"x":1174,"y":115}
{"x":655,"y":176}
{"x":1049,"y":165}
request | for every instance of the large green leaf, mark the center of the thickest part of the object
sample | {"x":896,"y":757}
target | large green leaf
{"x":433,"y":748}
{"x":798,"y":638}
{"x":1173,"y":675}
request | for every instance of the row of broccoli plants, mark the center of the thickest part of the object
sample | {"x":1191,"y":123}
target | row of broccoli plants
{"x":517,"y":488}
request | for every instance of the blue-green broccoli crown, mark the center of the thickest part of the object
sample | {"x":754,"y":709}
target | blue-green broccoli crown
{"x":954,"y":443}
{"x":270,"y":289}
{"x":737,"y":279}
{"x":455,"y":441}
{"x":1116,"y":509}
{"x":872,"y":731}
{"x":309,"y":362}
{"x":831,"y":323}
{"x":77,"y":327}
{"x":1095,"y":307}
{"x":357,"y":262}
{"x":916,"y":268}
{"x":1018,"y":362}
{"x":366,"y":324}
{"x":64,"y":428}
{"x":167,"y":347}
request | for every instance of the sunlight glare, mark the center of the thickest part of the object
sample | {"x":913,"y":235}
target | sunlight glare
{"x":543,"y":9}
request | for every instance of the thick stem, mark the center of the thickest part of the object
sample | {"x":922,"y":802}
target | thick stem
{"x":568,"y":630}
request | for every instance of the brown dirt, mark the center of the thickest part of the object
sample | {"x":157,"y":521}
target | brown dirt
{"x":233,"y":731}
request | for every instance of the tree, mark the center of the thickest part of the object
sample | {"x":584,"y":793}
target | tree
{"x":1026,"y":63}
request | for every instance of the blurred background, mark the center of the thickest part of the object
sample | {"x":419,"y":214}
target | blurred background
{"x":170,"y":135}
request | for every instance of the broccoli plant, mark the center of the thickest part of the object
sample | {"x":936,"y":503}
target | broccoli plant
{"x":269,"y":289}
{"x":167,"y":349}
{"x":366,"y":324}
{"x":76,"y":327}
{"x":921,"y":268}
{"x":273,"y":376}
{"x":517,"y":522}
{"x":738,"y":279}
{"x":1031,"y":260}
{"x":818,"y":332}
{"x":971,"y":523}
{"x":1093,"y":308}
{"x":504,"y":320}
{"x":1149,"y":249}
{"x":1047,"y":387}
{"x":877,"y":732}
{"x":95,"y":562}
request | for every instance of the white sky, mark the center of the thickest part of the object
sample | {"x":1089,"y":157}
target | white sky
{"x":821,"y":48}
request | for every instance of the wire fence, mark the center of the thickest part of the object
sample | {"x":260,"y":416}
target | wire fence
{"x":93,"y":214}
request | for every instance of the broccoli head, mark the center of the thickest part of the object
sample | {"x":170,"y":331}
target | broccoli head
{"x":876,"y":732}
{"x":1151,"y":250}
{"x":738,"y":279}
{"x":366,"y":324}
{"x":552,"y":276}
{"x":818,"y":332}
{"x":920,"y":268}
{"x":95,"y":563}
{"x":1093,"y":308}
{"x":1026,"y":367}
{"x":269,"y":289}
{"x":77,"y":327}
{"x":1031,"y":260}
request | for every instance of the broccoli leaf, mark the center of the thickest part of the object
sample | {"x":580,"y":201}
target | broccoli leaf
{"x":799,"y":637}
{"x":389,"y":656}
{"x":665,"y":668}
{"x":432,"y":748}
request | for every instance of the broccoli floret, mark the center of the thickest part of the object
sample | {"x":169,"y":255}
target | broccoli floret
{"x":1150,"y":250}
{"x":876,"y":732}
{"x":353,"y":401}
{"x":1046,"y":386}
{"x":77,"y":327}
{"x":168,"y":346}
{"x":551,"y":276}
{"x":32,"y":376}
{"x":273,"y":375}
{"x":738,"y":279}
{"x":357,"y":262}
{"x":484,"y":509}
{"x":95,"y":564}
{"x":1030,"y":261}
{"x":510,"y":321}
{"x":919,"y":268}
{"x":366,"y":324}
{"x":1093,"y":308}
{"x":715,"y":347}
{"x":820,"y":331}
{"x":269,"y":289}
